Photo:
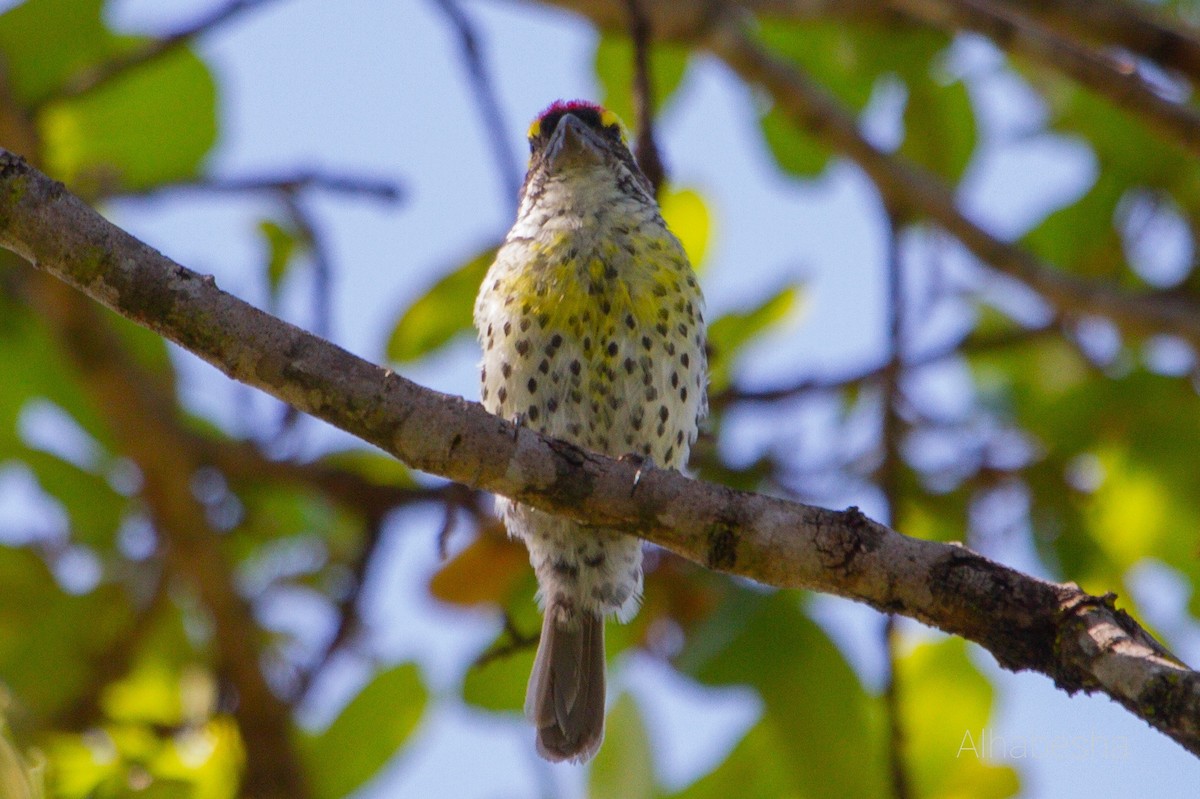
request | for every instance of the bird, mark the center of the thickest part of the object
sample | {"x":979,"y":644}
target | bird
{"x":591,"y":323}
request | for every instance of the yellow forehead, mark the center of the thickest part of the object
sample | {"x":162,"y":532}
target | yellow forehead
{"x":607,"y":118}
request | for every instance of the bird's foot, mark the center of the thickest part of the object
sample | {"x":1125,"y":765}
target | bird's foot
{"x":644,"y":464}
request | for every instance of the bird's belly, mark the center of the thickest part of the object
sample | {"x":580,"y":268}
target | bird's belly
{"x":610,"y":385}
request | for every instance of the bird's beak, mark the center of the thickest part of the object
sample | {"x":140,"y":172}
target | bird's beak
{"x":573,"y":143}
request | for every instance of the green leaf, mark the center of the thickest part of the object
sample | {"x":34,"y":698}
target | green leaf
{"x":366,"y":734}
{"x":152,"y":125}
{"x":732,"y":331}
{"x":828,"y":51}
{"x":283,"y":245}
{"x":614,"y":70}
{"x":499,"y":684}
{"x":796,"y":152}
{"x":1082,"y":236}
{"x":813,"y":701}
{"x":940,"y":675}
{"x":688,"y":218}
{"x":95,"y":510}
{"x":37,"y":63}
{"x":755,"y":769}
{"x":624,"y":768}
{"x":443,"y":313}
{"x":48,"y":637}
{"x":939,"y":127}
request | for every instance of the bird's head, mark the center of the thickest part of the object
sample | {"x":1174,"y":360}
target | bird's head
{"x":579,"y":138}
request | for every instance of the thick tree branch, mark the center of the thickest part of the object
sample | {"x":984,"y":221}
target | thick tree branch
{"x":1082,"y":642}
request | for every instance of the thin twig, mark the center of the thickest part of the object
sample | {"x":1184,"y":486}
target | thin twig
{"x":646,"y":150}
{"x":102,"y":74}
{"x":889,"y":476}
{"x":349,"y":617}
{"x":970,"y":346}
{"x":485,"y":97}
{"x":517,"y":642}
{"x":370,"y":188}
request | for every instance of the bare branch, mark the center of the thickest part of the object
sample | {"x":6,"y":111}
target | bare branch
{"x":371,"y":188}
{"x":888,"y":475}
{"x":812,"y":385}
{"x":1082,"y":642}
{"x":648,"y":157}
{"x":517,"y":642}
{"x":485,"y":97}
{"x":102,"y":74}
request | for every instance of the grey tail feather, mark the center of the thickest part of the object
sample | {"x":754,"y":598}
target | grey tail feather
{"x":565,"y":698}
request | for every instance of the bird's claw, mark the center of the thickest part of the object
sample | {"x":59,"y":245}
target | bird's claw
{"x":519,"y":419}
{"x":644,"y":464}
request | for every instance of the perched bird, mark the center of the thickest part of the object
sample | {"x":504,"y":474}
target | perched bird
{"x":592,"y":328}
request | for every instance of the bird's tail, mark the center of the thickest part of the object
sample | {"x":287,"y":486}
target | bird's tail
{"x":565,"y":698}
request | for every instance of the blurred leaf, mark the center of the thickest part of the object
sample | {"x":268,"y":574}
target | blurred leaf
{"x":48,"y":637}
{"x":732,"y":331}
{"x":614,"y":70}
{"x":19,"y":779}
{"x":830,"y":52}
{"x":624,"y":767}
{"x":687,"y":217}
{"x":939,"y":127}
{"x":499,"y":684}
{"x":151,"y":125}
{"x":35,"y":63}
{"x":283,"y":245}
{"x":796,"y":152}
{"x":367,"y":734}
{"x":94,"y":509}
{"x":940,"y":675}
{"x":486,"y":572}
{"x":444,"y":311}
{"x":372,"y":465}
{"x":813,"y":701}
{"x":1082,"y":236}
{"x":755,"y":769}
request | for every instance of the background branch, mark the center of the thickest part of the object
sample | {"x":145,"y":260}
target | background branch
{"x":1109,"y":75}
